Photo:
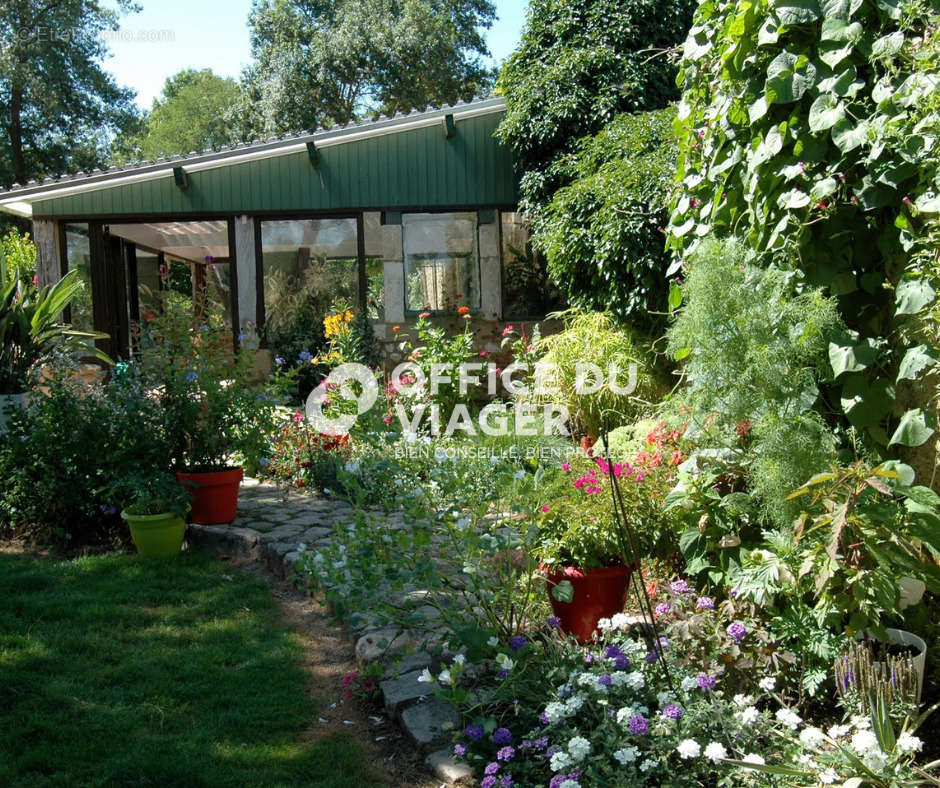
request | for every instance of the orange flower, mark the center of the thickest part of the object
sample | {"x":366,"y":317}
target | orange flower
{"x":396,"y":328}
{"x":464,"y":310}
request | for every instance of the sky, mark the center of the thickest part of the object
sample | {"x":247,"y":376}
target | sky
{"x":169,"y":35}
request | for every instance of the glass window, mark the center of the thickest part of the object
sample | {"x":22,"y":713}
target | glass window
{"x":442,"y":263}
{"x":528,"y":291}
{"x":78,"y":252}
{"x":375,"y":267}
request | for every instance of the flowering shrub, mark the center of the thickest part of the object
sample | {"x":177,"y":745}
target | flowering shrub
{"x":609,"y":714}
{"x":576,"y":520}
{"x":302,"y":458}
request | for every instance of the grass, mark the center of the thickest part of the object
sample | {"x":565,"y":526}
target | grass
{"x":115,"y":670}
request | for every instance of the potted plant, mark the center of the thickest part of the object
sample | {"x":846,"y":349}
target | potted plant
{"x":156,"y":506}
{"x":211,"y":409}
{"x":31,"y":331}
{"x":585,"y":558}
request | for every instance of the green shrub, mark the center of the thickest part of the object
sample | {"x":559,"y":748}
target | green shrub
{"x":809,"y":129}
{"x":754,"y":343}
{"x":578,"y":66}
{"x":602,"y":233}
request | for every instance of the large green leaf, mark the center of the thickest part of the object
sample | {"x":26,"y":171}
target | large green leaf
{"x":912,"y":295}
{"x":848,"y":136}
{"x":865,"y":402}
{"x":839,"y":9}
{"x":889,"y":45}
{"x":915,"y":361}
{"x":915,"y":429}
{"x":851,"y":357}
{"x":825,"y":112}
{"x":796,"y":12}
{"x":789,"y":76}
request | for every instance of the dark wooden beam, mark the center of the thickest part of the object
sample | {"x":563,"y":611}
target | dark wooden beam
{"x":361,"y":257}
{"x":180,"y":178}
{"x":450,"y":127}
{"x":313,"y":154}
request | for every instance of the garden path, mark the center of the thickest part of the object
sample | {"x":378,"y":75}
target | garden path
{"x":272,"y":528}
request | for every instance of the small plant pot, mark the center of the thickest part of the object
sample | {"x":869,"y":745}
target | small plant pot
{"x":598,"y":593}
{"x":215,"y":494}
{"x":901,"y":637}
{"x":9,"y":402}
{"x":156,"y":535}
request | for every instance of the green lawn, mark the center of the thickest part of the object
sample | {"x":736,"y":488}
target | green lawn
{"x":119,"y":671}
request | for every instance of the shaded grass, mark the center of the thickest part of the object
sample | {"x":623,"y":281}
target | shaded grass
{"x":119,"y":670}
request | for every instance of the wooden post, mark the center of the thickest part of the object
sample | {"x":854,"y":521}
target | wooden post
{"x":48,"y":257}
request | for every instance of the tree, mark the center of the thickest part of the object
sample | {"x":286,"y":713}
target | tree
{"x":320,"y":62}
{"x":58,"y":106}
{"x":580,"y":64}
{"x":191,"y":113}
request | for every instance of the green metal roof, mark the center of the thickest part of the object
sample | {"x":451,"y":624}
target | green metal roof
{"x":394,"y":163}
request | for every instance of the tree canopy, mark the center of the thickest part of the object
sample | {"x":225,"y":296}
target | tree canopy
{"x":191,"y":113}
{"x":59,"y":108}
{"x":320,"y":62}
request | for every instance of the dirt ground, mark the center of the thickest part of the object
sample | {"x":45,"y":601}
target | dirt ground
{"x":329,"y":657}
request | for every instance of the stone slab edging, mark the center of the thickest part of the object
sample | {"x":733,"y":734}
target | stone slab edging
{"x":269,"y":530}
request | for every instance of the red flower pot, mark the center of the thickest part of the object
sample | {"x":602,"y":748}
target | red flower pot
{"x":215,"y":494}
{"x":598,"y":593}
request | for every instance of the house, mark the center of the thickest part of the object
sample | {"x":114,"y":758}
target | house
{"x":399,"y":215}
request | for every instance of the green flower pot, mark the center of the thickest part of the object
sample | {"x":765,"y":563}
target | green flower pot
{"x":156,"y":535}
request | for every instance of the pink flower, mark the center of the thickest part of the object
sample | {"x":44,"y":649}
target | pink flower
{"x":298,"y":417}
{"x":545,"y":508}
{"x":482,"y":352}
{"x":507,"y":331}
{"x":566,"y":466}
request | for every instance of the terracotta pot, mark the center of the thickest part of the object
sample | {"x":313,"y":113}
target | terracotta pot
{"x":215,"y":494}
{"x":598,"y":593}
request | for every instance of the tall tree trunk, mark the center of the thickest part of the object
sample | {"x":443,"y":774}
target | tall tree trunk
{"x":16,"y":135}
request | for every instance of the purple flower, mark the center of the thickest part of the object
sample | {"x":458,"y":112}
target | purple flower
{"x":605,"y":680}
{"x":540,"y":743}
{"x":502,"y":736}
{"x":553,"y":621}
{"x":638,"y":725}
{"x":706,"y":682}
{"x":460,"y":750}
{"x":491,"y":768}
{"x":672,"y":712}
{"x":621,"y":662}
{"x":488,"y":782}
{"x":505,"y":754}
{"x":705,"y":603}
{"x":557,"y":780}
{"x":661,"y":609}
{"x":737,"y":630}
{"x":516,"y":642}
{"x":502,"y":673}
{"x":552,"y":750}
{"x":474,"y":731}
{"x":525,"y":744}
{"x":679,"y":587}
{"x":507,"y":781}
{"x":543,"y":718}
{"x":652,"y":656}
{"x":612,"y":652}
{"x":588,"y":658}
{"x":733,"y":593}
{"x":191,"y":377}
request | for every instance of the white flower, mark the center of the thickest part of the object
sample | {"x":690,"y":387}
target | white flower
{"x":875,"y":760}
{"x":664,"y":698}
{"x":445,"y":677}
{"x":318,"y":558}
{"x":579,"y":747}
{"x":862,"y":723}
{"x":620,"y":621}
{"x":504,"y":661}
{"x":715,"y":752}
{"x":767,"y":684}
{"x":460,"y":659}
{"x":647,"y":765}
{"x":907,"y":742}
{"x":864,"y":741}
{"x":494,"y":459}
{"x":573,"y":704}
{"x":626,"y":755}
{"x":493,"y":641}
{"x":689,"y":682}
{"x":743,"y":700}
{"x":570,"y":784}
{"x":789,"y":718}
{"x":352,"y":467}
{"x":753,"y":757}
{"x":426,"y":676}
{"x":520,"y":474}
{"x":837,"y":731}
{"x":560,"y":761}
{"x":618,"y":679}
{"x":587,"y":679}
{"x":828,"y":777}
{"x":604,"y":624}
{"x":463,"y":524}
{"x":812,"y":737}
{"x":750,"y":715}
{"x":635,"y":680}
{"x":555,"y":711}
{"x":689,"y":748}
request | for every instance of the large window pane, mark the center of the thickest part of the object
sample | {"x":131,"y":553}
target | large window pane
{"x":375,"y":268}
{"x":528,"y":291}
{"x":442,"y":265}
{"x":78,"y":251}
